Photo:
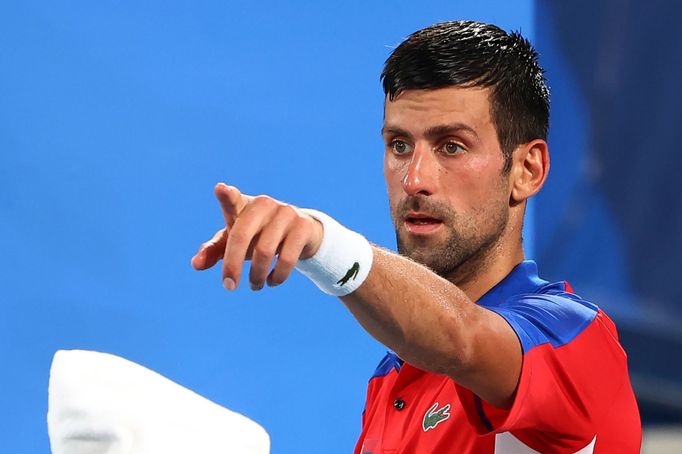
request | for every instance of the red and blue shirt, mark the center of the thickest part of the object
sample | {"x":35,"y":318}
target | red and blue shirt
{"x":574,"y":393}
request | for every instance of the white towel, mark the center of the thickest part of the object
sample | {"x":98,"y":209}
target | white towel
{"x":103,"y":404}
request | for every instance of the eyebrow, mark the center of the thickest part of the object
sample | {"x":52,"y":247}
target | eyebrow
{"x":433,"y":132}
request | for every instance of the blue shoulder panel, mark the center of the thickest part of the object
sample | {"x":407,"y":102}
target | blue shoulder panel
{"x":390,"y":362}
{"x":538,"y":311}
{"x":541,"y":318}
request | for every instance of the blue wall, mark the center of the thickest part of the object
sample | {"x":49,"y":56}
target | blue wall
{"x":116,"y":120}
{"x":610,"y":217}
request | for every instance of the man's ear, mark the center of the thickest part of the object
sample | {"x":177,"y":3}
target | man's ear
{"x":530,"y":167}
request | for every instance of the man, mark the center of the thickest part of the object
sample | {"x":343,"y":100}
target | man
{"x":488,"y":357}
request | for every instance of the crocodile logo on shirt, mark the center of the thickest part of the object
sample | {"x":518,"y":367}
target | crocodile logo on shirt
{"x":433,"y":417}
{"x":351,"y":273}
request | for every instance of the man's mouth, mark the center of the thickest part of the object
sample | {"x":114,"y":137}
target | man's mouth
{"x":421,"y":223}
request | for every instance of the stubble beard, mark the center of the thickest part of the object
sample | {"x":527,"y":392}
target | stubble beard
{"x":471,"y":242}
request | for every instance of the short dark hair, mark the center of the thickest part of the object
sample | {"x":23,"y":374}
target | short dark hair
{"x":475,"y":54}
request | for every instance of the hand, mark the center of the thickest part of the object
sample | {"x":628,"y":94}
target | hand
{"x":257,"y":229}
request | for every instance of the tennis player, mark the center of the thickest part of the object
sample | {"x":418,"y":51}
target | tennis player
{"x":486,"y":357}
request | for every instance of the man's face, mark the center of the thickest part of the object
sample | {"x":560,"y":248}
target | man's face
{"x":444,"y":167}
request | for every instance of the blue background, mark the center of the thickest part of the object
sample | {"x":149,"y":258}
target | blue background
{"x":116,"y":121}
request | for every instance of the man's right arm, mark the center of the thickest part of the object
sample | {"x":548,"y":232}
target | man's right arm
{"x":433,"y":325}
{"x":426,"y":320}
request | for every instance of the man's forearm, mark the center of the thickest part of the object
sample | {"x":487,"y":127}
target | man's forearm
{"x":413,"y":311}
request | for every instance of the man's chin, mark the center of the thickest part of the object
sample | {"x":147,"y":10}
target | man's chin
{"x":434,"y":252}
{"x":420,"y":250}
{"x":410,"y":242}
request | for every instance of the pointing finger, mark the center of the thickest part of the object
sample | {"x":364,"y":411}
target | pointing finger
{"x":232,"y":202}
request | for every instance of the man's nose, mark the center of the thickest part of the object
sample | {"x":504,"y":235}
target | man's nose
{"x":422,"y":173}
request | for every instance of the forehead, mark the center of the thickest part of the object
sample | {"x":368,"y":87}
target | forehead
{"x":417,"y":110}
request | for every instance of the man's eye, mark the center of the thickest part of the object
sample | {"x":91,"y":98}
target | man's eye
{"x":400,"y":147}
{"x":452,"y":148}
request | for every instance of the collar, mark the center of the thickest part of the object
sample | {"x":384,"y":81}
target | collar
{"x":522,"y":279}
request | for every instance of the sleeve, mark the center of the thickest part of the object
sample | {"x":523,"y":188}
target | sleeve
{"x":573,"y":367}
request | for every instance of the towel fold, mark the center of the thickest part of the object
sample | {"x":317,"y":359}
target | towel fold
{"x":103,"y":404}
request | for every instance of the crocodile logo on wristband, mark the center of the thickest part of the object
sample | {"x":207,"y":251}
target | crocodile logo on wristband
{"x":351,"y":273}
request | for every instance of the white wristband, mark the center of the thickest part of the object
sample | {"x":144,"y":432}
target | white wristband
{"x":342,"y":262}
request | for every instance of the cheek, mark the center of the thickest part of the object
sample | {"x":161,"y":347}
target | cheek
{"x":394,"y":171}
{"x":475,"y":181}
{"x":393,"y":175}
{"x":393,"y":167}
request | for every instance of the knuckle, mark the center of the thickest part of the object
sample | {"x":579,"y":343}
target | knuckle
{"x":262,"y":251}
{"x":288,"y":211}
{"x":264,"y":201}
{"x":238,"y":236}
{"x":286,"y":261}
{"x":303,"y":224}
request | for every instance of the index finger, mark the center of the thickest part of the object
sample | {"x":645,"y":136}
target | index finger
{"x":232,"y":201}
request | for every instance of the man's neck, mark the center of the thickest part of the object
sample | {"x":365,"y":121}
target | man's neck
{"x":481,"y":273}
